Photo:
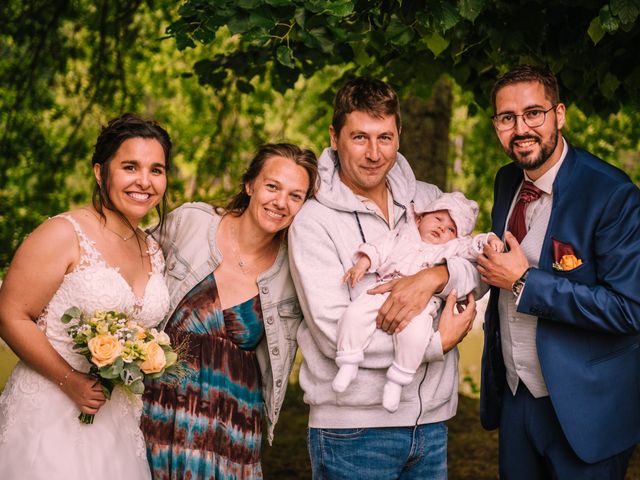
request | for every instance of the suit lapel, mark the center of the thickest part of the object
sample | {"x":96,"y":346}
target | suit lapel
{"x":506,"y":188}
{"x":561,"y":190}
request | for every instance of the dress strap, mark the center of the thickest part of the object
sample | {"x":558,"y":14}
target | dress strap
{"x":155,"y":254}
{"x":88,"y":253}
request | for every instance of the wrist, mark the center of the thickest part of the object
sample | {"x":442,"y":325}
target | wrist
{"x":64,"y":379}
{"x":518,"y":285}
{"x":438,"y":276}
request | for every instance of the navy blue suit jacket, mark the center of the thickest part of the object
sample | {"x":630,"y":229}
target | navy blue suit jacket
{"x":588,"y":338}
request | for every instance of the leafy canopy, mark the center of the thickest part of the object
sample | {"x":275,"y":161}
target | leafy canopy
{"x":587,"y":43}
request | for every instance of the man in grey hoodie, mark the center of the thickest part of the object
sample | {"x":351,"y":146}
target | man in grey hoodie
{"x":366,"y":189}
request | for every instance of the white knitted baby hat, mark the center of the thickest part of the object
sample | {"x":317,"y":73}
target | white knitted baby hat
{"x":464,"y":212}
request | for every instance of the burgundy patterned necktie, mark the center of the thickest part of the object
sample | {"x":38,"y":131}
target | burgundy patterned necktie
{"x":528,"y":193}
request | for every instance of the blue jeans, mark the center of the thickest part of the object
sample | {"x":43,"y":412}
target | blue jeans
{"x":379,"y":453}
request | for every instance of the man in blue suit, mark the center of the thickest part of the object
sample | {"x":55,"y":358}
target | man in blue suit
{"x":561,"y":361}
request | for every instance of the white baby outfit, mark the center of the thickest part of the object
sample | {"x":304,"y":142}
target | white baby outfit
{"x":402,"y":253}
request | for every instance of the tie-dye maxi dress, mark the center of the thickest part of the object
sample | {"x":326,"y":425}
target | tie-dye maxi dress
{"x":209,"y":426}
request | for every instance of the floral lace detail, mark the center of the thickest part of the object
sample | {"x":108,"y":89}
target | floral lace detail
{"x":29,"y":397}
{"x":7,"y":407}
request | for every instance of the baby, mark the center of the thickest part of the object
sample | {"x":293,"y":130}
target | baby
{"x":440,"y":232}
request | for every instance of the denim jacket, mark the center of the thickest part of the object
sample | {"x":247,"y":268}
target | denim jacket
{"x":188,"y":241}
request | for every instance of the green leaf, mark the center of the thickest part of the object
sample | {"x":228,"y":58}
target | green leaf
{"x":609,"y":85}
{"x":436,"y":43}
{"x":626,"y":10}
{"x":239,"y":24}
{"x":70,"y":314}
{"x":595,"y":30}
{"x":278,"y":3}
{"x":470,"y":9}
{"x":171,"y":358}
{"x":360,"y":54}
{"x":261,"y":19}
{"x":300,"y":16}
{"x":184,"y":41}
{"x":609,"y":22}
{"x":248,"y":4}
{"x":445,"y":16}
{"x":284,"y":56}
{"x":204,"y":35}
{"x":137,"y":387}
{"x":319,"y":35}
{"x":340,"y":8}
{"x":111,"y":372}
{"x":397,"y":32}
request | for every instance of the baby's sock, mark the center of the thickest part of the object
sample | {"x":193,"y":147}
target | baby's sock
{"x":391,"y":396}
{"x":344,"y":377}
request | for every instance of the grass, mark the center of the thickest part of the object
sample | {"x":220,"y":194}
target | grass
{"x":473,"y":452}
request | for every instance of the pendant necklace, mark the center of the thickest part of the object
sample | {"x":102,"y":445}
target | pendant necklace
{"x":239,"y":260}
{"x":124,"y":238}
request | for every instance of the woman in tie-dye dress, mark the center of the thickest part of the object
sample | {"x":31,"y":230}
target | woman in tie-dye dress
{"x":234,"y":309}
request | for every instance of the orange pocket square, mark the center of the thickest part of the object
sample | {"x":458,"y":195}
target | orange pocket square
{"x":564,"y":258}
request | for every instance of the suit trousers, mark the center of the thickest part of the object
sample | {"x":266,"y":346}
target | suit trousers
{"x":532,"y":445}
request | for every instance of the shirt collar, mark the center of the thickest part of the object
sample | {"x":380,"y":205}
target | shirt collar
{"x":371,"y":205}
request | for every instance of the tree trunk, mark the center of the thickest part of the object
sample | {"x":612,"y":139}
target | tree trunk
{"x":425,"y":133}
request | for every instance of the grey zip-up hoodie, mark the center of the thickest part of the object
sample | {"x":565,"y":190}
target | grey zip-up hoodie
{"x":322,"y":240}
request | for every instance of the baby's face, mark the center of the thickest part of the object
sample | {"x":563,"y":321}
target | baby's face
{"x":437,"y":227}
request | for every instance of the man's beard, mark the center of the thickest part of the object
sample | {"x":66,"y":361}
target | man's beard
{"x":530,"y":162}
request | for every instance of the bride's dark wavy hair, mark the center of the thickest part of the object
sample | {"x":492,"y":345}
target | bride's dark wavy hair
{"x":111,"y":137}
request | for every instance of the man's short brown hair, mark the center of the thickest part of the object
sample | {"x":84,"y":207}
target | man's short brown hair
{"x":365,"y":94}
{"x":528,"y":73}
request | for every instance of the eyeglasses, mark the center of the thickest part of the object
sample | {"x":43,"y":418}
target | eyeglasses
{"x":532,"y":118}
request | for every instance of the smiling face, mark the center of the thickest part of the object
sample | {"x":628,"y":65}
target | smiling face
{"x":436,"y":227}
{"x":534,"y":149}
{"x":137,"y":177}
{"x":367,"y":147}
{"x":277,"y":193}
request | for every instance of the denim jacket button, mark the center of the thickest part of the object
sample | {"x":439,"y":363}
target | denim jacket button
{"x":269,"y":320}
{"x":278,"y":383}
{"x":265,"y":290}
{"x":276,"y":351}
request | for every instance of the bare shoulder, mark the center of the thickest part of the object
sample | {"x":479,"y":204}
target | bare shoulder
{"x":53,"y":242}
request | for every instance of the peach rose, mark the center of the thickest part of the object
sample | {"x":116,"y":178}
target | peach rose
{"x":569,"y":262}
{"x":155,"y":360}
{"x":104,"y":349}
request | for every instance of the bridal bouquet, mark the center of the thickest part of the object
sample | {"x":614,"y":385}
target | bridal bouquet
{"x":120,"y":351}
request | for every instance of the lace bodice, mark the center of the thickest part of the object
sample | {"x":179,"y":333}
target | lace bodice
{"x":95,"y":285}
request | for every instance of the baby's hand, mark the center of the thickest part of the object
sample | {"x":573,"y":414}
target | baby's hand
{"x":495,"y":243}
{"x":353,"y":275}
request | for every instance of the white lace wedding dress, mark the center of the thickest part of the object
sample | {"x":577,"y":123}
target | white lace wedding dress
{"x":40,"y":434}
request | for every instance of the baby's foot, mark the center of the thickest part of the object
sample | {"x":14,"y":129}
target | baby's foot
{"x":344,"y":377}
{"x":391,"y":396}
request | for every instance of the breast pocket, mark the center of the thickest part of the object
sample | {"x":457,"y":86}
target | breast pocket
{"x":290,"y":314}
{"x":174,"y":267}
{"x":583,"y":273}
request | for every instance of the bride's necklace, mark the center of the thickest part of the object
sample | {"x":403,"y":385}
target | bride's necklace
{"x":241,"y":262}
{"x":124,"y":238}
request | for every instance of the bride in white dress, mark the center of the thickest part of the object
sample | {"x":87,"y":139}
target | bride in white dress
{"x":95,"y":258}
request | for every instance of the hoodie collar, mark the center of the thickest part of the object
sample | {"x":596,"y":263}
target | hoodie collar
{"x":336,"y":195}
